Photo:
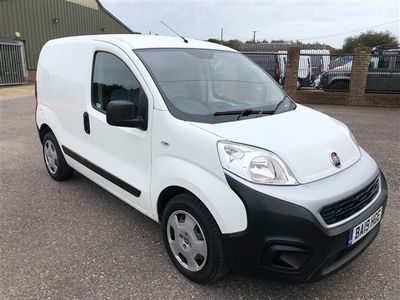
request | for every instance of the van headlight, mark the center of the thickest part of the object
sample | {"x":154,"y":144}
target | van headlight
{"x":254,"y":164}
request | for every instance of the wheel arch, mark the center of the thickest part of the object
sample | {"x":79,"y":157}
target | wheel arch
{"x":43,"y":130}
{"x":214,"y":194}
{"x":341,"y":79}
{"x":167,"y":194}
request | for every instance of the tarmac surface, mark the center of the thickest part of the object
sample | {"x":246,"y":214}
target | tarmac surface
{"x":75,"y":240}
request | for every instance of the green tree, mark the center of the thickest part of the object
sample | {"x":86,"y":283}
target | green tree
{"x":264,"y":41}
{"x":235,"y":44}
{"x":280,"y":41}
{"x":369,"y":39}
{"x":214,"y":41}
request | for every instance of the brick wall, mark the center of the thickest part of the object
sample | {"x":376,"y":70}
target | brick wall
{"x":356,"y":94}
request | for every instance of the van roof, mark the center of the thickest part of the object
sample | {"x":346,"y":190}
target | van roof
{"x":142,"y":41}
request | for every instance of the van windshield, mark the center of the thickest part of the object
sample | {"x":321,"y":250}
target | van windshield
{"x":213,"y":86}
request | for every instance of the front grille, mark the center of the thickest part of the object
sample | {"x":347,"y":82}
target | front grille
{"x":341,"y":210}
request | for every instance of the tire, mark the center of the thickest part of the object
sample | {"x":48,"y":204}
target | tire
{"x":54,"y":160}
{"x":203,"y":242}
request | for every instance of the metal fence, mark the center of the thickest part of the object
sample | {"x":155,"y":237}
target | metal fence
{"x":12,"y":63}
{"x":318,"y":69}
{"x":271,"y":62}
{"x":384,"y":74}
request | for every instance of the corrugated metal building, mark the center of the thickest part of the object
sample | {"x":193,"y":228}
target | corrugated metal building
{"x":34,"y":22}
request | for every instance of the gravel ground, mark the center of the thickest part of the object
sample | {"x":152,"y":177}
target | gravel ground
{"x":75,"y":240}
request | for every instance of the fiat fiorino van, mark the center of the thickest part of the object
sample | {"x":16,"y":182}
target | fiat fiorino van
{"x":200,"y":139}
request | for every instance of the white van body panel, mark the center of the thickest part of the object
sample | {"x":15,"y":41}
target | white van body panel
{"x":145,"y":77}
{"x":304,"y":148}
{"x":312,"y":162}
{"x":109,"y":186}
{"x":304,"y":69}
{"x":172,"y":152}
{"x":142,"y":41}
{"x":62,"y":67}
{"x":111,"y":148}
{"x":186,"y":156}
{"x":324,"y":55}
{"x":135,"y":156}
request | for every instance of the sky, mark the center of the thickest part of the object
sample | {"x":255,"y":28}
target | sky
{"x":325,"y":21}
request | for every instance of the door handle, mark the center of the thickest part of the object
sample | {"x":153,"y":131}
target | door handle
{"x":86,"y":123}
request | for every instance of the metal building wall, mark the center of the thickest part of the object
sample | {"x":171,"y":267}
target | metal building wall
{"x":38,"y":21}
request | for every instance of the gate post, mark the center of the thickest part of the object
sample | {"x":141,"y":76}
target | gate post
{"x":359,"y":72}
{"x":292,"y":69}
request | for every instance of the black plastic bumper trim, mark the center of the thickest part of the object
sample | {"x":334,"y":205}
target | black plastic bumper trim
{"x":110,"y":177}
{"x":273,"y":221}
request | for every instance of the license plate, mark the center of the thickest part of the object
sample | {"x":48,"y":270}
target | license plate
{"x":358,"y":232}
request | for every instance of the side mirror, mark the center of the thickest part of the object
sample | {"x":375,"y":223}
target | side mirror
{"x":122,"y":113}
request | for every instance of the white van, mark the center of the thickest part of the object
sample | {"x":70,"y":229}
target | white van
{"x":312,"y":63}
{"x":320,"y":60}
{"x":199,"y":138}
{"x":304,"y":73}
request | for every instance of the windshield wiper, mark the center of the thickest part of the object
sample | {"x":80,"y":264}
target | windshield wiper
{"x":244,"y":113}
{"x":248,"y":111}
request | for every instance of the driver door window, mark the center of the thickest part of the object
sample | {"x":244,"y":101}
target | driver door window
{"x":113,"y":80}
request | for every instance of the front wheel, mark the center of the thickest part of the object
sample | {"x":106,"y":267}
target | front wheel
{"x":192,"y":239}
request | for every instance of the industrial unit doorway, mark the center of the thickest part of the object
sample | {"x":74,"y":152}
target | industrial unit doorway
{"x":12,"y":62}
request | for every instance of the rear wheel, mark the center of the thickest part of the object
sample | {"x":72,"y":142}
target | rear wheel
{"x":54,"y":159}
{"x":192,"y":239}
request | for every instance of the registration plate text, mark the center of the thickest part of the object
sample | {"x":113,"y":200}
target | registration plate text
{"x":358,"y":232}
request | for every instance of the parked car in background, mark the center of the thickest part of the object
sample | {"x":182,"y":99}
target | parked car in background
{"x":337,"y":78}
{"x":312,"y":63}
{"x":320,"y":61}
{"x":317,"y":82}
{"x":268,"y":61}
{"x":383,"y":72}
{"x":340,"y":61}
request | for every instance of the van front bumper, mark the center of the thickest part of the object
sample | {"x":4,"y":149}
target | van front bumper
{"x":285,"y":241}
